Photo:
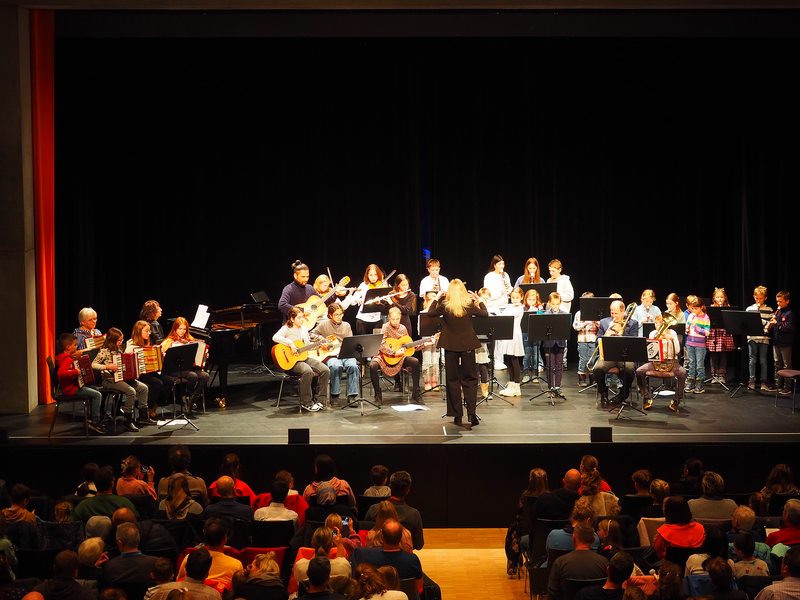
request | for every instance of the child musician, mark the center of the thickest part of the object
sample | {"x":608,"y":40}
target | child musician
{"x":498,"y":283}
{"x":782,"y":327}
{"x":646,"y":312}
{"x":159,"y":385}
{"x":482,"y":353}
{"x":434,"y":282}
{"x":514,"y":348}
{"x":294,"y":330}
{"x":134,"y":392}
{"x":758,"y":345}
{"x":367,"y":321}
{"x":68,"y":379}
{"x":196,"y":378}
{"x":698,"y":327}
{"x":430,"y":354}
{"x":556,"y":363}
{"x":587,"y":342}
{"x":394,"y":330}
{"x":719,"y":342}
{"x":532,"y":359}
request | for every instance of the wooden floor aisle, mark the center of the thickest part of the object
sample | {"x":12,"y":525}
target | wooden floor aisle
{"x":469,"y":564}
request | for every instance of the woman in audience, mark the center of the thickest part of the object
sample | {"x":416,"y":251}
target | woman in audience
{"x":715,"y":544}
{"x":87,"y":488}
{"x":132,"y":480}
{"x":721,"y":575}
{"x":691,"y":481}
{"x":759,"y":504}
{"x":604,"y":503}
{"x":325,"y":472}
{"x":537,"y":485}
{"x":260,"y":580}
{"x":680,"y":528}
{"x":371,"y":585}
{"x":92,"y":555}
{"x":179,"y":504}
{"x":232,"y":468}
{"x":669,"y":583}
{"x":386,"y":510}
{"x":780,"y":482}
{"x":322,"y":542}
{"x":589,"y":465}
{"x":350,"y":538}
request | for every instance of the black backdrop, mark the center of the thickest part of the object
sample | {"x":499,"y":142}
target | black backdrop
{"x":197,"y":170}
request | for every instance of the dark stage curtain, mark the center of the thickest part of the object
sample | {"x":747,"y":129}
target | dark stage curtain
{"x":198,"y":170}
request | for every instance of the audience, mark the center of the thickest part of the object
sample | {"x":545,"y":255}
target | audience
{"x":228,"y":505}
{"x":8,"y":590}
{"x":745,"y":546}
{"x":715,"y":545}
{"x":742,"y":521}
{"x":589,"y":465}
{"x":780,"y":481}
{"x":92,"y":556}
{"x":610,"y":538}
{"x":179,"y":504}
{"x":789,"y":534}
{"x":325,"y":473}
{"x":581,"y":563}
{"x":163,"y":572}
{"x":261,"y":580}
{"x":322,"y":542}
{"x":104,"y":503}
{"x":711,"y":505}
{"x":20,"y":495}
{"x":131,"y":566}
{"x":537,"y":485}
{"x":559,"y":503}
{"x":87,"y":488}
{"x":180,"y":458}
{"x":759,"y":505}
{"x":562,"y":539}
{"x":62,"y":511}
{"x":152,"y":536}
{"x":691,"y":482}
{"x":789,"y":588}
{"x":680,"y":529}
{"x":669,"y":583}
{"x":378,"y":476}
{"x":618,"y":571}
{"x":373,"y":586}
{"x":400,"y":485}
{"x":215,"y":534}
{"x":132,"y":480}
{"x":386,"y":510}
{"x":277,"y":511}
{"x":604,"y":503}
{"x":721,"y":575}
{"x":319,"y":574}
{"x":659,"y":490}
{"x":641,"y":481}
{"x":63,"y":585}
{"x":232,"y":467}
{"x":6,"y":547}
{"x":343,"y":531}
{"x":407,"y":564}
{"x":197,"y":568}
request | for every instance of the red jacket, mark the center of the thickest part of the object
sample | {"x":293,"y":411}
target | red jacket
{"x":67,"y":374}
{"x":690,"y":535}
{"x":789,"y":535}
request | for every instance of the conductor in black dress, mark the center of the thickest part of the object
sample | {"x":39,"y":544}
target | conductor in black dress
{"x":459,"y":342}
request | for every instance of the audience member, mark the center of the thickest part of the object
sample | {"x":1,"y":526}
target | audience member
{"x":326,"y":503}
{"x":789,"y":588}
{"x":659,"y":491}
{"x":261,"y":580}
{"x":18,"y":511}
{"x":641,"y":481}
{"x":104,"y":503}
{"x":745,"y":546}
{"x":228,"y":505}
{"x":322,"y":542}
{"x":386,"y":510}
{"x":152,"y":536}
{"x":277,"y":511}
{"x":197,"y":567}
{"x":400,"y":485}
{"x":231,"y":467}
{"x":180,"y":458}
{"x":6,"y":547}
{"x":343,"y":531}
{"x":163,"y":573}
{"x":87,"y":488}
{"x":62,"y":511}
{"x":562,"y":539}
{"x":215,"y":534}
{"x":325,"y":472}
{"x":132,"y":480}
{"x":8,"y":590}
{"x":789,"y":534}
{"x":319,"y":574}
{"x":179,"y":504}
{"x":721,"y":575}
{"x":92,"y":556}
{"x":63,"y":585}
{"x":390,"y":576}
{"x":581,"y":563}
{"x":759,"y":505}
{"x":610,"y":538}
{"x":618,"y":571}
{"x":407,"y":564}
{"x":633,"y":592}
{"x":559,"y":503}
{"x":289,"y":479}
{"x":378,"y":476}
{"x":743,"y":520}
{"x":680,"y":529}
{"x":691,"y":481}
{"x":715,"y":545}
{"x":131,"y":566}
{"x":712,"y":505}
{"x":604,"y":503}
{"x":780,"y":481}
{"x":373,"y":586}
{"x":669,"y":582}
{"x":589,"y":469}
{"x":537,"y":485}
{"x":102,"y":527}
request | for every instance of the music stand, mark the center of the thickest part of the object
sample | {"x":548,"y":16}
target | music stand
{"x":625,"y":349}
{"x":260,"y":297}
{"x":493,"y":328}
{"x":595,"y":308}
{"x":429,"y":326}
{"x":544,"y":289}
{"x":743,"y":323}
{"x":371,"y":295}
{"x":715,"y":316}
{"x":546,"y":328}
{"x":361,"y":347}
{"x":176,"y":360}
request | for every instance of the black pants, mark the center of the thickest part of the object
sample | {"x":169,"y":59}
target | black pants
{"x":462,"y":374}
{"x":160,"y":388}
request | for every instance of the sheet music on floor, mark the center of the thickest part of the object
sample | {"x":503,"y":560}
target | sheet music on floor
{"x":201,"y":317}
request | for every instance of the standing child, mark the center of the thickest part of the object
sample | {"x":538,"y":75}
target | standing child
{"x":782,"y":327}
{"x":482,"y":353}
{"x":513,"y":348}
{"x":68,"y":379}
{"x":719,"y":342}
{"x":555,"y":360}
{"x":530,"y":363}
{"x":587,"y":342}
{"x":698,"y":326}
{"x":758,"y":345}
{"x":646,"y":312}
{"x":134,"y":391}
{"x":430,"y":354}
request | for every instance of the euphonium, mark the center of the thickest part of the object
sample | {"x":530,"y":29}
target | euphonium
{"x":666,"y":323}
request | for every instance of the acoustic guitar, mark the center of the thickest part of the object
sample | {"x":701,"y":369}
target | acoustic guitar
{"x":317,"y":306}
{"x":283,"y":357}
{"x":407,"y":344}
{"x":323,"y":355}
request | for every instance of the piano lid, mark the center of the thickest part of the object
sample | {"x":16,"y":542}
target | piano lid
{"x":246,"y":315}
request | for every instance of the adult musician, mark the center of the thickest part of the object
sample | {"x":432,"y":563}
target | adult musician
{"x":680,"y":372}
{"x":298,"y":291}
{"x":87,"y":317}
{"x":335,"y":325}
{"x":459,"y":342}
{"x":434,"y":282}
{"x":151,"y":311}
{"x":394,"y":330}
{"x":612,"y":326}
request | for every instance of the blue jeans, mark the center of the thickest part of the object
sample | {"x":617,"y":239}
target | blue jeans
{"x":758,"y":352}
{"x":697,"y":365}
{"x":532,"y":358}
{"x":585,"y":350}
{"x":337,"y":366}
{"x":94,"y":404}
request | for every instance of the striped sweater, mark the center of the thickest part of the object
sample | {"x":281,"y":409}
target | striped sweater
{"x":697,"y":330}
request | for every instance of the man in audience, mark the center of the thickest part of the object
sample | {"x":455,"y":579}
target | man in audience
{"x":20,"y":495}
{"x":198,"y":566}
{"x":105,"y":503}
{"x":400,"y":484}
{"x":742,"y":521}
{"x":63,"y":585}
{"x":179,"y":460}
{"x":319,"y":574}
{"x":559,"y":503}
{"x":561,"y":539}
{"x":152,"y":536}
{"x":789,"y":534}
{"x":215,"y":534}
{"x":581,"y":563}
{"x":711,"y":505}
{"x":691,"y":480}
{"x":406,"y":563}
{"x":228,"y":505}
{"x":131,"y":566}
{"x":789,"y":588}
{"x":276,"y":511}
{"x":619,"y":570}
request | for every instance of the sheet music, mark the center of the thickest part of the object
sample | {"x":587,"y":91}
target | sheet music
{"x":201,"y":317}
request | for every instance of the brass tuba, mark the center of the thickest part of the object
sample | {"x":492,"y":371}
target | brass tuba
{"x":667,"y":365}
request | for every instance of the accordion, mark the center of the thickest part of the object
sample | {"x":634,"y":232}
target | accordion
{"x":127,"y":367}
{"x":148,"y":359}
{"x":95,"y":341}
{"x":84,"y":365}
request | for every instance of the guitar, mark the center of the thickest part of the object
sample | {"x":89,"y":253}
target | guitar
{"x":407,"y":344}
{"x":317,"y":306}
{"x":283,"y":357}
{"x":323,"y":355}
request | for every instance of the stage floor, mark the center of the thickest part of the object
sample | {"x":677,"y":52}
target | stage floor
{"x":251,"y":417}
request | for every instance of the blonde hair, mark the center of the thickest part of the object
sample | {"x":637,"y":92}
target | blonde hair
{"x":760,"y":291}
{"x":457,"y":300}
{"x":555,"y":296}
{"x":318,"y":283}
{"x":334,"y":520}
{"x":649,"y":294}
{"x":555,"y":263}
{"x":536,"y":299}
{"x":266,"y":564}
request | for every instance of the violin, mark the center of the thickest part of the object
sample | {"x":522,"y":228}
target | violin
{"x":382,"y":283}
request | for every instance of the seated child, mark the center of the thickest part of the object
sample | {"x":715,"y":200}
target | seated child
{"x":163,"y":572}
{"x":745,"y":545}
{"x":378,"y":475}
{"x":68,"y":379}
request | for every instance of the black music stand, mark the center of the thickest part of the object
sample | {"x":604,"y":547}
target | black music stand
{"x":371,"y":295}
{"x":429,"y":326}
{"x":544,"y":289}
{"x":743,"y":323}
{"x":625,"y":349}
{"x":493,"y":328}
{"x":715,"y":316}
{"x":361,"y":347}
{"x":546,"y":328}
{"x":176,"y":360}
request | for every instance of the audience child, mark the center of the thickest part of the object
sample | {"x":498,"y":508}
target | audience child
{"x":87,"y":488}
{"x":758,"y":345}
{"x":372,"y":585}
{"x":669,"y":582}
{"x":715,"y":545}
{"x":659,"y":491}
{"x":742,"y":521}
{"x":587,"y":342}
{"x":18,"y":511}
{"x":276,"y":510}
{"x":340,"y":526}
{"x":758,"y":503}
{"x":781,"y":327}
{"x":386,"y":510}
{"x":721,"y":573}
{"x":610,"y":538}
{"x":70,"y":384}
{"x":378,"y":475}
{"x":163,"y":573}
{"x":261,"y":580}
{"x":745,"y":545}
{"x":62,"y":511}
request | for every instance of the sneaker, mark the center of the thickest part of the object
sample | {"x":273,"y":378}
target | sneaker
{"x":767,"y":387}
{"x":672,"y":406}
{"x":751,"y":385}
{"x":428,"y":387}
{"x":699,"y":391}
{"x":648,"y":402}
{"x":619,"y":384}
{"x":526,"y":378}
{"x":313,"y":407}
{"x":500,"y":366}
{"x":688,"y":389}
{"x":96,"y":427}
{"x":535,"y":380}
{"x":785,"y":392}
{"x":559,"y":393}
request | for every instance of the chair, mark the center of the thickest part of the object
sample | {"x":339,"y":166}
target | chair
{"x":539,"y":575}
{"x":116,"y":398}
{"x":776,"y":503}
{"x":752,"y":584}
{"x":647,"y":530}
{"x":272,"y":534}
{"x":61,"y":536}
{"x":144,"y":504}
{"x":663,"y":376}
{"x":36,"y":563}
{"x":240,"y":499}
{"x":697,"y":585}
{"x":239,"y":535}
{"x":633,"y":503}
{"x":293,"y":378}
{"x":181,"y":531}
{"x":527,"y":521}
{"x":408,"y":586}
{"x":364,"y":502}
{"x":573,"y":586}
{"x":788,"y":374}
{"x":645,"y":557}
{"x":680,"y":555}
{"x":740,"y":499}
{"x":723,"y":525}
{"x":60,"y":399}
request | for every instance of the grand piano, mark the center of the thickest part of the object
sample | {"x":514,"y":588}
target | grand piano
{"x":237,"y":333}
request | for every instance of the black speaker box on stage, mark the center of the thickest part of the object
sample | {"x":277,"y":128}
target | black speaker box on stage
{"x":298,"y":436}
{"x":601,"y":434}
